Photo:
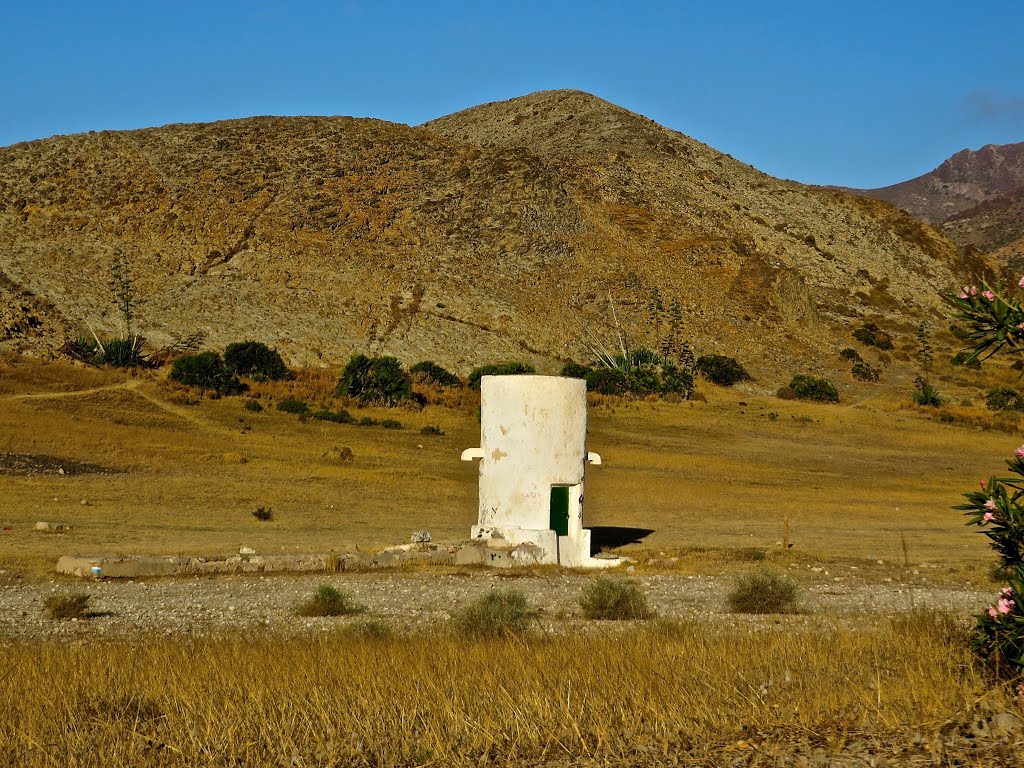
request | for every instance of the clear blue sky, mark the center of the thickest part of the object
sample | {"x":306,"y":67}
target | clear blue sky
{"x":861,"y":94}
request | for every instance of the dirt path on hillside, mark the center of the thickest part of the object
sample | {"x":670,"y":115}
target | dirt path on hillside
{"x":198,"y":606}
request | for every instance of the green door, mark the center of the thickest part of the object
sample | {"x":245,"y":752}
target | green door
{"x":560,"y":509}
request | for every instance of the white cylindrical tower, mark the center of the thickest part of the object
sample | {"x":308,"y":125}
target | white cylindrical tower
{"x":533,"y":433}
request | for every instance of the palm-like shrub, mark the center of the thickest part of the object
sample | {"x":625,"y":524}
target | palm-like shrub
{"x":375,"y":381}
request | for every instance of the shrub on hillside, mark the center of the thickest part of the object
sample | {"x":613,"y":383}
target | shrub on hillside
{"x":863,"y":372}
{"x":806,"y":387}
{"x":607,"y":381}
{"x":873,"y":336}
{"x":498,"y":613}
{"x":848,"y":353}
{"x":965,"y":359}
{"x":335,"y":417}
{"x":616,"y":599}
{"x":255,"y":360}
{"x":293,"y":405}
{"x":721,"y":370}
{"x":764,"y":591}
{"x":925,"y":394}
{"x":429,"y":372}
{"x":375,"y":381}
{"x":205,"y":370}
{"x":513,"y":368}
{"x":1004,"y":399}
{"x":254,"y":406}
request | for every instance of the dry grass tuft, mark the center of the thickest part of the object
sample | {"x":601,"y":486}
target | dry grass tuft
{"x":74,"y":605}
{"x":614,"y":599}
{"x":764,"y":591}
{"x":328,"y":601}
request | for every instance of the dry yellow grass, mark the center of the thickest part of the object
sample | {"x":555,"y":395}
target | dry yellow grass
{"x":855,"y":481}
{"x":636,"y":695}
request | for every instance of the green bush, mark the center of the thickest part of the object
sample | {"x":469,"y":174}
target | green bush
{"x":611,"y":598}
{"x":74,"y":605}
{"x":254,"y":406}
{"x":764,"y":591}
{"x":676,"y":381}
{"x":121,"y":353}
{"x":863,"y":372}
{"x":367,"y":421}
{"x":925,"y":394}
{"x":431,"y":429}
{"x":205,"y":370}
{"x":1004,"y":399}
{"x":848,"y":353}
{"x":721,"y":370}
{"x":429,"y":372}
{"x":255,"y":360}
{"x":573,"y":370}
{"x":498,"y":613}
{"x":806,"y":387}
{"x":328,"y":601}
{"x":336,"y":417}
{"x":873,"y":336}
{"x":513,"y":368}
{"x":391,"y":424}
{"x":607,"y":381}
{"x":293,"y":405}
{"x":375,"y":381}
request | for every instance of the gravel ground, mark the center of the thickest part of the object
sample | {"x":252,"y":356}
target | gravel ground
{"x":413,"y":600}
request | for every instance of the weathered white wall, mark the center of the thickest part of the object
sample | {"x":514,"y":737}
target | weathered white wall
{"x":533,"y":433}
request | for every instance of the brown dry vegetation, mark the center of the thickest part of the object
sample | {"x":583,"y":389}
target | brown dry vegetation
{"x":642,"y":696}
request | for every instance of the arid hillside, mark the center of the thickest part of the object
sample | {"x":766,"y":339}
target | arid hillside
{"x":495,"y":233}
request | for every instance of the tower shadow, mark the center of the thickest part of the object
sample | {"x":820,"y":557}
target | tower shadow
{"x":604,"y":537}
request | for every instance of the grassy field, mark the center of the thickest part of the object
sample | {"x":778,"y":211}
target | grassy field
{"x":643,"y":695}
{"x":859,"y":481}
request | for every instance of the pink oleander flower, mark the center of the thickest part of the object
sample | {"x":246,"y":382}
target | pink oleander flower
{"x":1021,"y":285}
{"x":993,"y":613}
{"x":1006,"y":591}
{"x":963,"y":294}
{"x":983,"y":484}
{"x":990,"y":505}
{"x":988,"y":517}
{"x":1004,"y":606}
{"x":989,"y":295}
{"x":1019,"y":453}
{"x":974,"y":290}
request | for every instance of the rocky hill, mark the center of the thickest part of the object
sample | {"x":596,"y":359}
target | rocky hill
{"x":975,"y":197}
{"x":495,"y":233}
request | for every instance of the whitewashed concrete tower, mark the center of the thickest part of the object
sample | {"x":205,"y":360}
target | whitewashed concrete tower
{"x":533,"y":453}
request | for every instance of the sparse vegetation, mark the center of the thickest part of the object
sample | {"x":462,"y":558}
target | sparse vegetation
{"x":500,"y":369}
{"x":612,"y":598}
{"x":73,"y":605}
{"x":391,"y":424}
{"x":764,"y":591}
{"x":848,"y":353}
{"x":328,"y":601}
{"x":431,"y":429}
{"x":873,"y":336}
{"x":255,"y":360}
{"x":253,"y":405}
{"x":573,"y":370}
{"x":335,"y":417}
{"x":805,"y":387}
{"x":498,"y":613}
{"x":375,"y":381}
{"x":205,"y":370}
{"x":722,"y":370}
{"x":965,"y":359}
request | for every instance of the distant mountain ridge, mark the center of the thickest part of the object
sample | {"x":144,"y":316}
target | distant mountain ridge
{"x":974,"y":197}
{"x":496,"y":233}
